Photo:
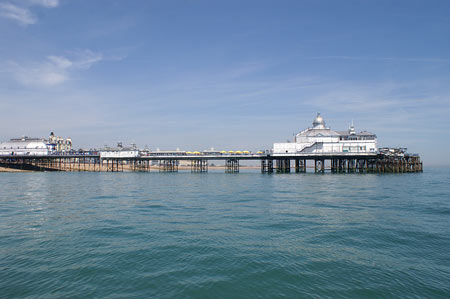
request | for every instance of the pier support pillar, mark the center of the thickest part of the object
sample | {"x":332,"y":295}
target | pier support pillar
{"x":232,"y":166}
{"x":169,"y":165}
{"x":319,"y":165}
{"x":351,"y":165}
{"x":283,"y":165}
{"x":287,"y":166}
{"x":300,"y":165}
{"x":270,"y":166}
{"x":199,"y":165}
{"x":264,"y":166}
{"x":340,"y":165}
{"x":334,"y":165}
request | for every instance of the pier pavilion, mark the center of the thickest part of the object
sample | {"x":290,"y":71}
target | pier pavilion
{"x":320,"y":139}
{"x":24,"y":146}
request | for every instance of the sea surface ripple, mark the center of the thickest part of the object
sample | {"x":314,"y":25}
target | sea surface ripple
{"x":183,"y":235}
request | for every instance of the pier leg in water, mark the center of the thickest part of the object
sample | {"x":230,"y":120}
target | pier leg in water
{"x":232,"y":166}
{"x":199,"y":165}
{"x":319,"y":165}
{"x":169,"y":165}
{"x":334,"y":165}
{"x":283,"y":165}
{"x":270,"y":166}
{"x":287,"y":166}
{"x":303,"y":165}
{"x":264,"y":166}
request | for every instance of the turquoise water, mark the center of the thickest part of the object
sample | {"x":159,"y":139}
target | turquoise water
{"x":183,"y":235}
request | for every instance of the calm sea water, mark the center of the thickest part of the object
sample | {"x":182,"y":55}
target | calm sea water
{"x":183,"y":235}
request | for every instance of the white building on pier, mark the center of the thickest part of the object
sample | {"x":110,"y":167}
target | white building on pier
{"x":24,"y":146}
{"x":119,"y":152}
{"x":321,"y":140}
{"x":27,"y":146}
{"x":58,"y":144}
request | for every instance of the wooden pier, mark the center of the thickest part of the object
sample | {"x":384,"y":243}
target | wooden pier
{"x":320,"y":163}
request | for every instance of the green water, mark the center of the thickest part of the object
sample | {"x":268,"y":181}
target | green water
{"x":217,"y":235}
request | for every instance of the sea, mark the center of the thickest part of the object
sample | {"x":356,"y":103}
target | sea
{"x":225,"y":235}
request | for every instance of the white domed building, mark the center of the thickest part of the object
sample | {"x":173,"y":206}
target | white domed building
{"x":24,"y":146}
{"x":320,"y":139}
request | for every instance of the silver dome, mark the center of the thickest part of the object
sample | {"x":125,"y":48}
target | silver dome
{"x":318,"y":122}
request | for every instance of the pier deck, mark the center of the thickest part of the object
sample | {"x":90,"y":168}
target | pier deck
{"x":280,"y":163}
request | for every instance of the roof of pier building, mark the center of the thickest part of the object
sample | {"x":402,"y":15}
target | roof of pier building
{"x":319,"y":122}
{"x":23,"y":143}
{"x":118,"y":149}
{"x":362,"y":133}
{"x":318,"y":130}
{"x":352,"y":133}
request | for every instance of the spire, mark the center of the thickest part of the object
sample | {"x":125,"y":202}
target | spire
{"x":351,"y":130}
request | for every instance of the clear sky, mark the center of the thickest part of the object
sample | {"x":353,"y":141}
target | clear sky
{"x":225,"y":74}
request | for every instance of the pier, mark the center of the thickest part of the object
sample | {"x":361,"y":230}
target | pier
{"x":270,"y":163}
{"x":317,"y":147}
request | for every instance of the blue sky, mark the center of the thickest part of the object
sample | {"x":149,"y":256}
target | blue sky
{"x":225,"y":74}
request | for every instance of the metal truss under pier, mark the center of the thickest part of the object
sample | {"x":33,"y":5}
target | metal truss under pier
{"x":199,"y":165}
{"x":168,"y":165}
{"x":333,"y":162}
{"x":232,"y":165}
{"x":57,"y":163}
